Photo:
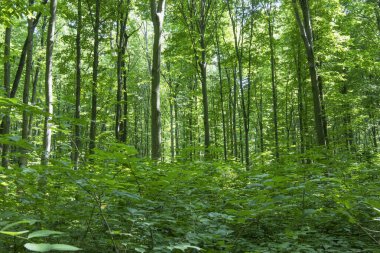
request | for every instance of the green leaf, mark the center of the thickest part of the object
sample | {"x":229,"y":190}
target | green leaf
{"x":46,"y":247}
{"x":183,"y":247}
{"x":29,"y":221}
{"x":14,"y":233}
{"x":43,"y":233}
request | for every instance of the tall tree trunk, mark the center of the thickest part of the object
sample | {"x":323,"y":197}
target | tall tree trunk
{"x":25,"y":96}
{"x":300,"y":101}
{"x":157,"y":15}
{"x":33,"y":100}
{"x":206,"y":123}
{"x":306,"y":34}
{"x":373,"y":130}
{"x":221,"y":95}
{"x":238,"y":42}
{"x":122,"y":40}
{"x":21,"y":64}
{"x":176,"y":133}
{"x":234,"y":111}
{"x":197,"y":22}
{"x":78,"y":80}
{"x":260,"y":119}
{"x":274,"y":86}
{"x":7,"y":82}
{"x":125,"y":105}
{"x":94,"y":92}
{"x":49,"y":84}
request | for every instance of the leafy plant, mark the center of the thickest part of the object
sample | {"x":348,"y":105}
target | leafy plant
{"x":27,"y":235}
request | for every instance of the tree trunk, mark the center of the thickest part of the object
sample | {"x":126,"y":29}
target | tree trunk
{"x":221,"y":96}
{"x":234,"y":112}
{"x":300,"y":102}
{"x":22,"y":58}
{"x":25,"y":96}
{"x":238,"y":41}
{"x":157,"y":15}
{"x":94,"y":92}
{"x":37,"y":76}
{"x":274,"y":86}
{"x":306,"y":34}
{"x":125,"y":105}
{"x":206,"y":123}
{"x":78,"y":80}
{"x":7,"y":82}
{"x":261,"y":112}
{"x":122,"y":41}
{"x":49,"y":84}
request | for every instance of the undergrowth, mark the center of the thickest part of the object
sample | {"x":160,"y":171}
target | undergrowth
{"x":124,"y":204}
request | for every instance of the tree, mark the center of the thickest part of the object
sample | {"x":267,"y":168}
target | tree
{"x":157,"y":15}
{"x":94,"y":91}
{"x":76,"y":143}
{"x":307,"y":36}
{"x":197,"y":16}
{"x":49,"y":84}
{"x":273,"y":78}
{"x":7,"y":79}
{"x":239,"y":49}
{"x":26,"y":93}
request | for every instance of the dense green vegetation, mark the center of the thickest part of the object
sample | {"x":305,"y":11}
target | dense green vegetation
{"x":190,"y":126}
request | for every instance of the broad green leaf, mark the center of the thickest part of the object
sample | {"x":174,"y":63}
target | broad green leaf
{"x":14,"y":233}
{"x":46,"y":247}
{"x":43,"y":233}
{"x":28,"y":221}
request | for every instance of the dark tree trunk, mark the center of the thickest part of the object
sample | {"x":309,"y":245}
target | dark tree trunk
{"x":274,"y":85}
{"x":21,"y":64}
{"x":300,"y":101}
{"x":238,"y":42}
{"x":25,"y":96}
{"x":94,"y":91}
{"x":306,"y":34}
{"x":7,"y":82}
{"x":125,"y":107}
{"x":121,"y":97}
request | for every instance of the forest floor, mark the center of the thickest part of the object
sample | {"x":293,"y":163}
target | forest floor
{"x":133,"y":205}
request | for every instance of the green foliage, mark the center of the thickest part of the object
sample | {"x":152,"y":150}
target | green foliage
{"x":36,"y":247}
{"x":137,"y":206}
{"x":45,"y":247}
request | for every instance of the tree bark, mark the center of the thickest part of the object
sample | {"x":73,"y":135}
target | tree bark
{"x":300,"y":102}
{"x":7,"y":81}
{"x":49,"y":84}
{"x":197,"y":22}
{"x":78,"y":81}
{"x":238,"y":42}
{"x":221,"y":95}
{"x":306,"y":34}
{"x":274,"y":85}
{"x":25,"y":96}
{"x":122,"y":40}
{"x":94,"y":89}
{"x":33,"y":100}
{"x":157,"y":15}
{"x":23,"y":57}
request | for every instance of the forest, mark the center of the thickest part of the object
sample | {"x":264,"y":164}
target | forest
{"x":231,"y":126}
